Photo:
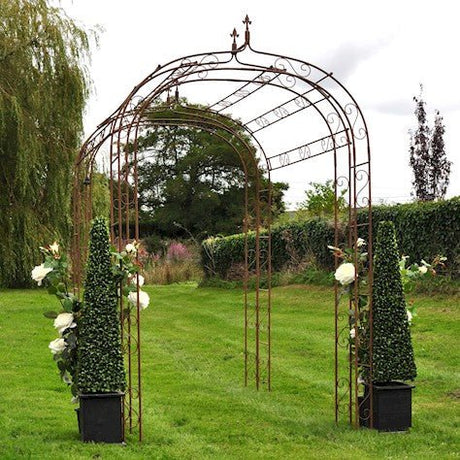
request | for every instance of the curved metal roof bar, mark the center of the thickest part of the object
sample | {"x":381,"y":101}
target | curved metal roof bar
{"x":177,"y":80}
{"x":212,"y":129}
{"x":281,"y":70}
{"x":99,"y":134}
{"x":204,"y":112}
{"x":250,"y":68}
{"x":320,"y":70}
{"x":201,"y":118}
{"x":147,"y":100}
{"x":267,"y":160}
{"x":161,"y":70}
{"x":360,"y":134}
{"x":203,"y":121}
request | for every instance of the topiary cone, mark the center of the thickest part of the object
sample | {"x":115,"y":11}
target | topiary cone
{"x":392,"y":352}
{"x":100,"y":359}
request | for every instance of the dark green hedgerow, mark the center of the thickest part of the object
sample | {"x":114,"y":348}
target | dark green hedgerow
{"x":423,"y":230}
{"x":292,"y":245}
{"x":100,"y":358}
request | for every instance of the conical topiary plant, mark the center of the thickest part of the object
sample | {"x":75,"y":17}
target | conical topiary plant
{"x":392,"y":352}
{"x":100,"y":359}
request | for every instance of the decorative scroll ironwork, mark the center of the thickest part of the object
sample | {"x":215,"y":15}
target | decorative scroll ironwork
{"x":311,"y":149}
{"x":242,"y":92}
{"x":308,"y":91}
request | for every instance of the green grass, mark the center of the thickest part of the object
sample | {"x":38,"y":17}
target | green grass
{"x":195,"y":405}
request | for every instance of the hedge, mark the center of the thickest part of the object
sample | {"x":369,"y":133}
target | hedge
{"x":293,"y":245}
{"x":423,"y":230}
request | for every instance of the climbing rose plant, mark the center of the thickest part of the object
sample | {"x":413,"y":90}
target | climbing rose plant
{"x":54,"y":272}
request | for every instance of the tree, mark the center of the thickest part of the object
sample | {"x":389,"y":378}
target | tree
{"x":440,"y":171}
{"x":191,"y":176}
{"x":428,"y":157}
{"x":321,"y":200}
{"x":43,"y":88}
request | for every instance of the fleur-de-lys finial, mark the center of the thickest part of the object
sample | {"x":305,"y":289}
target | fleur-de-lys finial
{"x":247,"y":34}
{"x":234,"y":34}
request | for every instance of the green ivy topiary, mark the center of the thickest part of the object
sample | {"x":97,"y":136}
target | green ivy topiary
{"x":393,"y":355}
{"x":100,"y":360}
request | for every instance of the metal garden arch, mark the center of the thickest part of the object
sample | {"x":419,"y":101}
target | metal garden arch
{"x":282,"y":90}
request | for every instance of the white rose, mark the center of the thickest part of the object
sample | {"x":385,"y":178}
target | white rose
{"x":352,"y":333}
{"x":64,"y":321}
{"x":409,"y":316}
{"x":144,"y":299}
{"x":423,"y":269}
{"x":39,"y":273}
{"x":130,"y":248}
{"x":57,"y":346}
{"x":134,"y":280}
{"x":345,"y":274}
{"x":360,"y":242}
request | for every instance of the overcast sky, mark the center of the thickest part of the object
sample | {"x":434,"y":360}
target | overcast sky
{"x":381,"y":51}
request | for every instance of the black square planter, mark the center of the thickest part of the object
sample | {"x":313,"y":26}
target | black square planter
{"x":392,"y":406}
{"x":101,"y":417}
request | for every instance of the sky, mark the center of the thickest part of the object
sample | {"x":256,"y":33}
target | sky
{"x":381,"y":51}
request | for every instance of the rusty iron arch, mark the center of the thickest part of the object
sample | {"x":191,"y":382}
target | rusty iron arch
{"x":289,"y":91}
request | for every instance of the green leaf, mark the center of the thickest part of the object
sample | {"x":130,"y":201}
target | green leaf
{"x":50,"y":314}
{"x":67,"y":304}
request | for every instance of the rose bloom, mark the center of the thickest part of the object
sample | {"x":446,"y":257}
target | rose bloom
{"x":144,"y":299}
{"x":409,"y":317}
{"x":39,"y":273}
{"x":423,"y":269}
{"x":134,"y":280}
{"x":131,"y":248}
{"x":352,"y":333}
{"x":360,"y":242}
{"x":64,"y":321}
{"x":57,"y":346}
{"x":345,"y":274}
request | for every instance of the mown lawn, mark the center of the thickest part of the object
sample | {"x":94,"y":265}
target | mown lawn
{"x":195,"y":405}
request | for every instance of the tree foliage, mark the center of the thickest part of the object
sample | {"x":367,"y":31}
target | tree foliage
{"x":192,"y":176}
{"x":321,"y":200}
{"x":100,"y":360}
{"x":428,"y":157}
{"x":440,"y":171}
{"x":43,"y":88}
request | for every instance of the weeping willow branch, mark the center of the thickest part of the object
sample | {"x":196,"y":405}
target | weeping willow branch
{"x":44,"y":84}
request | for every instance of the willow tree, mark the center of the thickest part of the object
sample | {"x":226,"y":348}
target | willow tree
{"x":43,"y":89}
